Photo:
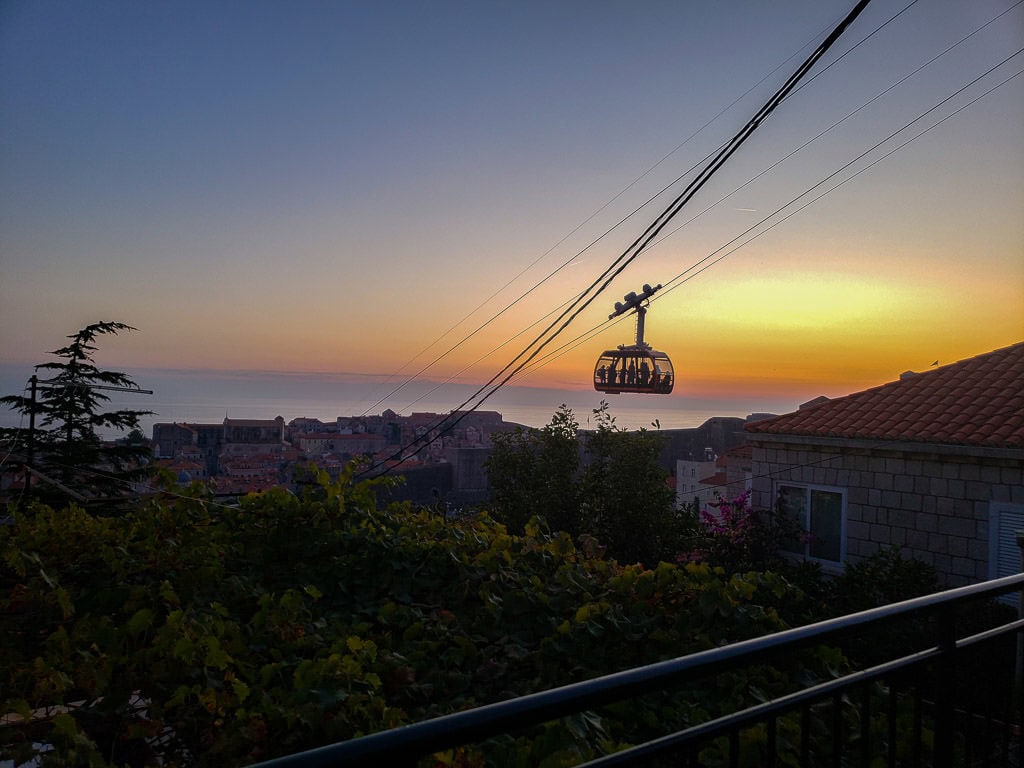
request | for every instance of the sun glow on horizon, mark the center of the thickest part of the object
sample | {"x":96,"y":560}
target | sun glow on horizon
{"x":349,"y":215}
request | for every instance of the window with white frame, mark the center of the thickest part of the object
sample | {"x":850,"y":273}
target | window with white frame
{"x":820,"y":513}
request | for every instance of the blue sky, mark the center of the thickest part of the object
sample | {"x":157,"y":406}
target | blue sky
{"x":333,"y":186}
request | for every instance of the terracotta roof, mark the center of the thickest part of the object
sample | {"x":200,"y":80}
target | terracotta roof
{"x":744,"y":451}
{"x":179,"y":464}
{"x":977,"y":402}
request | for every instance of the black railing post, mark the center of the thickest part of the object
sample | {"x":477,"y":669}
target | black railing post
{"x":918,"y":727}
{"x":945,"y":671}
{"x":805,"y":735}
{"x":1017,"y":687}
{"x":865,"y":727}
{"x":893,"y":712}
{"x":837,"y":730}
{"x":1019,"y":666}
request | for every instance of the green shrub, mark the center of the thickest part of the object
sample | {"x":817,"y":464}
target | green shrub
{"x":197,"y":634}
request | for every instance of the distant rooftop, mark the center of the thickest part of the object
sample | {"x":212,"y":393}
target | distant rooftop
{"x":254,"y":422}
{"x":977,"y":402}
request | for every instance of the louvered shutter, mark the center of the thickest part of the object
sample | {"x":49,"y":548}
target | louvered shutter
{"x":1004,"y":554}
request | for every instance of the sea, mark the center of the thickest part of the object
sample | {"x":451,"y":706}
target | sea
{"x":210,"y":396}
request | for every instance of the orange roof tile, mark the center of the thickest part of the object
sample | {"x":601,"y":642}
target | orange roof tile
{"x":178,"y":464}
{"x":744,"y":451}
{"x":978,"y":402}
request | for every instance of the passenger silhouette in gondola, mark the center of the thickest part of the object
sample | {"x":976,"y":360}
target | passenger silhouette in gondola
{"x":634,"y":367}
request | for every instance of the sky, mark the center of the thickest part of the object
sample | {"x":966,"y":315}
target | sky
{"x":378,"y":190}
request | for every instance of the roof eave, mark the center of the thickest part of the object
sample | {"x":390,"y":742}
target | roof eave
{"x":901,"y":446}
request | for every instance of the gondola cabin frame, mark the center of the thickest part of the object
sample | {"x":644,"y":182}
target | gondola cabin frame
{"x":634,"y":369}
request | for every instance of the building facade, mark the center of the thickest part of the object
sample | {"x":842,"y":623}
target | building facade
{"x":932,"y":463}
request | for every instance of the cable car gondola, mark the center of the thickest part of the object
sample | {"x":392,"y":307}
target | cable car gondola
{"x":634,"y":367}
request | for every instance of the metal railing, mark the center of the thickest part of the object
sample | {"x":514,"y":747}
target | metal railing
{"x":930,"y":711}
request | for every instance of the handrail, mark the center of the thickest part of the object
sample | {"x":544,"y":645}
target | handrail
{"x":775,"y":706}
{"x":492,"y":719}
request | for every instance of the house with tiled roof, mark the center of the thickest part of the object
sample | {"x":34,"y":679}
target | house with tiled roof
{"x":690,"y":477}
{"x":932,"y":463}
{"x":185,"y":471}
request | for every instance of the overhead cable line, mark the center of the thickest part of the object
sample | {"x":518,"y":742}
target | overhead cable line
{"x":551,"y":274}
{"x":575,"y":342}
{"x":669,"y":285}
{"x":840,"y":121}
{"x":852,"y":48}
{"x":643,"y":240}
{"x":487,"y":354}
{"x":583,"y":250}
{"x":618,"y":224}
{"x":678,"y":278}
{"x":679,"y":178}
{"x":652,"y":231}
{"x":875,"y":444}
{"x":129,"y":484}
{"x":660,"y":192}
{"x":543,"y":280}
{"x":689,"y":273}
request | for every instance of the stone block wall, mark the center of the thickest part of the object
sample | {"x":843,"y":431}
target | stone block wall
{"x":936,"y":507}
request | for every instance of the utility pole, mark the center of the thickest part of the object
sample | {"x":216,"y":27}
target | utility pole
{"x":30,"y":447}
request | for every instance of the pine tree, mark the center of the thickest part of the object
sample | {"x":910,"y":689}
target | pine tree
{"x":65,"y":411}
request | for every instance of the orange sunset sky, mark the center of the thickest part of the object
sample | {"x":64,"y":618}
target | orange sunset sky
{"x":358,"y":187}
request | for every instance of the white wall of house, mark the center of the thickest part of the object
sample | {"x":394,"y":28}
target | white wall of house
{"x":688,"y":477}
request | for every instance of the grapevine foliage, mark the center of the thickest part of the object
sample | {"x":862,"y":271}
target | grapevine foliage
{"x":189,"y":633}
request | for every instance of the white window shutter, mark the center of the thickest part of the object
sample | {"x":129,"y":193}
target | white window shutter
{"x":1004,"y":554}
